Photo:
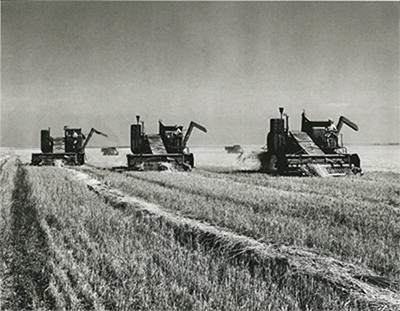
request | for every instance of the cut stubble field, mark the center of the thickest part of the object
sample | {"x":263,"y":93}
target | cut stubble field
{"x":67,"y":247}
{"x":289,"y":211}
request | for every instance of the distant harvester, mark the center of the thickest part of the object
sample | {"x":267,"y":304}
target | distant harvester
{"x":234,"y":149}
{"x":109,"y":151}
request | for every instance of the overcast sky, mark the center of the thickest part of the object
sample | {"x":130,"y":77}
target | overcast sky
{"x":226,"y":65}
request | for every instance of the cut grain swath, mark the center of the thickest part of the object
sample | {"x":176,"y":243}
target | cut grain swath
{"x":357,"y":283}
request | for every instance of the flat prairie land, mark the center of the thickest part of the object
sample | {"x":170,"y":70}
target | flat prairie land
{"x":212,"y":239}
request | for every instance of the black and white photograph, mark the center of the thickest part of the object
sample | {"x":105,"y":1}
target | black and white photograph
{"x":200,"y":155}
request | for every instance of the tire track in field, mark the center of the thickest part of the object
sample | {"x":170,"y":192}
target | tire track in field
{"x":2,"y":163}
{"x":29,"y":269}
{"x":351,"y":282}
{"x":6,"y":184}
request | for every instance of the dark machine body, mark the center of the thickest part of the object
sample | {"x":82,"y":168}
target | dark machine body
{"x":161,"y":151}
{"x":70,"y":149}
{"x":109,"y":151}
{"x":313,"y":151}
{"x":234,"y":149}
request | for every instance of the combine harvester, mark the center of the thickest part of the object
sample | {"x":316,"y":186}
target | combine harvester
{"x":109,"y":151}
{"x":316,"y":150}
{"x":234,"y":149}
{"x":163,"y":151}
{"x":69,"y":149}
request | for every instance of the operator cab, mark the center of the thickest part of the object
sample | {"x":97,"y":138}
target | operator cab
{"x":319,"y":131}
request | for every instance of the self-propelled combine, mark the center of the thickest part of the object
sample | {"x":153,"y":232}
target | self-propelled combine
{"x":316,"y":150}
{"x":163,"y":151}
{"x":70,"y":149}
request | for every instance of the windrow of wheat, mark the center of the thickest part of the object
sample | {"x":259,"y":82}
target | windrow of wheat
{"x":8,"y":170}
{"x":352,"y":229}
{"x":92,"y":256}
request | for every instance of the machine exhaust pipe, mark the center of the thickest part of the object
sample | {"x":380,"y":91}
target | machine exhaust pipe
{"x":281,"y":111}
{"x":286,"y":126}
{"x":287,"y":123}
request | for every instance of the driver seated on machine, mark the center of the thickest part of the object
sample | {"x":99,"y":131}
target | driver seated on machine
{"x":331,"y":128}
{"x":75,"y":137}
{"x":331,"y":134}
{"x":178,"y":132}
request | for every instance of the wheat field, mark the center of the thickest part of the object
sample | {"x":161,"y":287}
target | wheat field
{"x":89,"y":238}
